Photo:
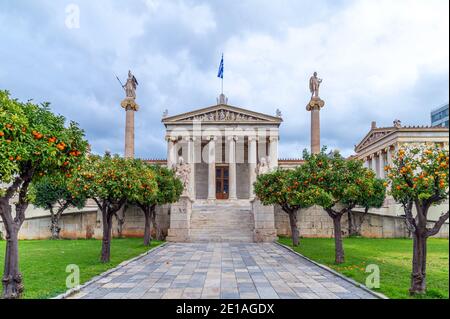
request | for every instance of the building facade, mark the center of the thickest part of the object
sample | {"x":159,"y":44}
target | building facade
{"x":381,"y":143}
{"x":439,"y":117}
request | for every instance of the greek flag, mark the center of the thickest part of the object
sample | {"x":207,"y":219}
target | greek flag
{"x":220,"y":74}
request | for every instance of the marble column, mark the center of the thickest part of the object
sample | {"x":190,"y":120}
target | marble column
{"x":252,"y":161}
{"x":191,"y":161}
{"x":380,"y":165}
{"x":232,"y":166}
{"x":389,"y":155}
{"x":273,"y":153}
{"x":170,"y":152}
{"x":212,"y":169}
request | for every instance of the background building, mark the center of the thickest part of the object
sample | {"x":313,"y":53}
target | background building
{"x":439,"y":117}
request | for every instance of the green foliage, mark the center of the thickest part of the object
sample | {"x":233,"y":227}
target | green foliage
{"x":52,"y":190}
{"x":291,"y":189}
{"x":344,"y":181}
{"x":170,"y":187}
{"x":419,"y":173}
{"x":113,"y":179}
{"x":31,"y":136}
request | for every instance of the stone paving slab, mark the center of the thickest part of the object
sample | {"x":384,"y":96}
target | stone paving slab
{"x":221,"y":271}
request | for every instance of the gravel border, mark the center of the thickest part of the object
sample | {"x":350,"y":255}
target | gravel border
{"x":77,"y":289}
{"x":353,"y":282}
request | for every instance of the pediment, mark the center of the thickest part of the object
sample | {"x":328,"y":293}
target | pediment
{"x":372,"y":137}
{"x":222,"y":114}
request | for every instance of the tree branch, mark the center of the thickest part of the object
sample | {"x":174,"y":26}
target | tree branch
{"x":438,"y":225}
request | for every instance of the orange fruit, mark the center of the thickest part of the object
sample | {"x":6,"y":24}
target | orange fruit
{"x":2,"y":134}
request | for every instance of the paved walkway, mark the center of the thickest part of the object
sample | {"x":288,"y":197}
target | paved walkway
{"x":221,"y":270}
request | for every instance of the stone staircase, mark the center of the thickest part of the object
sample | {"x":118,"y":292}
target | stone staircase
{"x":222,"y":221}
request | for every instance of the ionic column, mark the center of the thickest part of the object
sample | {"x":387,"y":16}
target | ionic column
{"x":170,"y":152}
{"x":191,"y":161}
{"x":366,"y":162}
{"x":372,"y":165}
{"x":212,"y":169}
{"x":232,"y":166}
{"x":273,"y":153}
{"x":252,"y":161}
{"x":389,"y":156}
{"x":380,"y":165}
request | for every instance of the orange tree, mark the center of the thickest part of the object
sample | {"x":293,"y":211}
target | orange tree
{"x":292,"y":191}
{"x":33,"y":143}
{"x":111,"y":181}
{"x":51,"y":193}
{"x":168,"y":191}
{"x":347,"y":184}
{"x":419,"y":178}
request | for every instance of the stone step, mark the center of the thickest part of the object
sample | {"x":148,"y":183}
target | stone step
{"x":221,"y":221}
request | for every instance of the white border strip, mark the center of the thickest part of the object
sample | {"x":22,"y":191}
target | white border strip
{"x":353,"y":282}
{"x":77,"y":289}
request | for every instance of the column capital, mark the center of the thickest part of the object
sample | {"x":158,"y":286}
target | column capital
{"x":170,"y":138}
{"x":211,"y":138}
{"x":252,"y":138}
{"x":233,"y":138}
{"x":190,"y":138}
{"x":274,"y":138}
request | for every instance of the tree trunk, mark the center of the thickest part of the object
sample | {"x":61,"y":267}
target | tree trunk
{"x":419,"y":264}
{"x":12,"y":278}
{"x":294,"y":228}
{"x":147,"y":233}
{"x":158,"y":232}
{"x":352,"y":227}
{"x":339,"y":247}
{"x":54,"y":227}
{"x":107,"y":231}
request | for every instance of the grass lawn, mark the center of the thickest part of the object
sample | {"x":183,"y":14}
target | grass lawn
{"x":393,"y":256}
{"x":43,"y":262}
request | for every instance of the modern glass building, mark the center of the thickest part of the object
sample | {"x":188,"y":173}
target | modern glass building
{"x":439,"y":117}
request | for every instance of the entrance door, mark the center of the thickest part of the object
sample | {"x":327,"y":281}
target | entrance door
{"x":222,"y":182}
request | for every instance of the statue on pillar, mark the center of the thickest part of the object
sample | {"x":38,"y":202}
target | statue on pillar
{"x":183,"y":171}
{"x":314,"y":85}
{"x":130,"y":92}
{"x":130,"y":86}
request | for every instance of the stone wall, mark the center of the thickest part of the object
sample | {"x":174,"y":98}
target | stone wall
{"x":315,"y":222}
{"x":88,"y":224}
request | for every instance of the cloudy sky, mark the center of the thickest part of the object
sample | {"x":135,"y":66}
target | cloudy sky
{"x":380,"y":60}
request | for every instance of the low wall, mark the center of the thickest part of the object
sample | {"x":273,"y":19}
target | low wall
{"x":315,"y":222}
{"x":88,"y":224}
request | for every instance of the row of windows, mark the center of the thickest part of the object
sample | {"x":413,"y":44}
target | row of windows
{"x":439,"y":116}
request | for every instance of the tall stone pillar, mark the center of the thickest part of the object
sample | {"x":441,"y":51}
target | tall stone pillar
{"x":314,"y":106}
{"x":380,"y":165}
{"x":191,"y":161}
{"x":252,"y":162}
{"x":273,"y":152}
{"x":171,"y":152}
{"x":212,"y":169}
{"x":232,"y":166}
{"x":130,"y":107}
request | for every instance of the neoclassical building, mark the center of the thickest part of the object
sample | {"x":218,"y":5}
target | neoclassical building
{"x":223,"y":145}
